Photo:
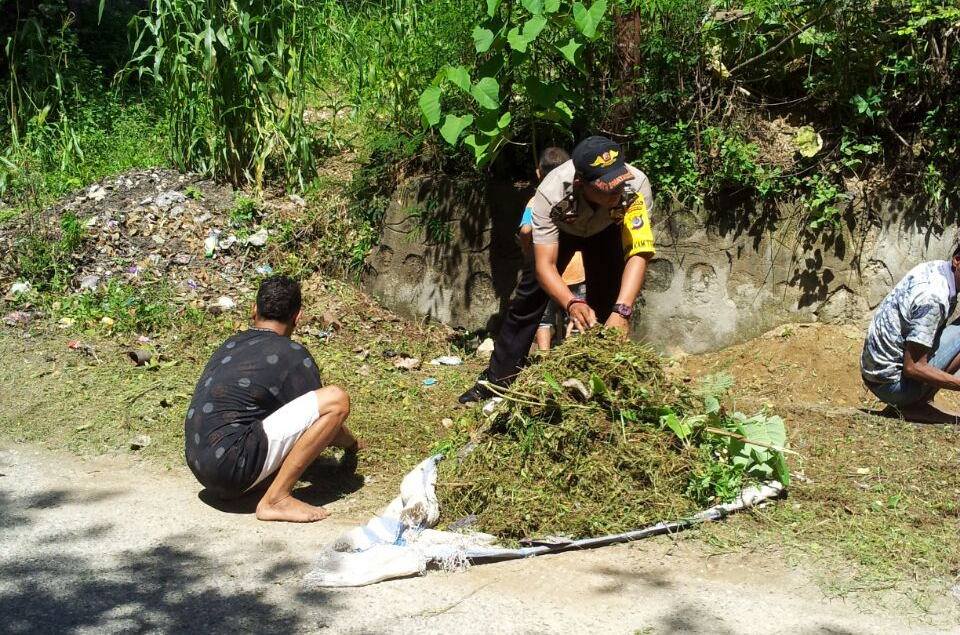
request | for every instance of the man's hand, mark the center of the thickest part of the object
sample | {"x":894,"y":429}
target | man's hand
{"x":618,"y":322}
{"x":582,"y":316}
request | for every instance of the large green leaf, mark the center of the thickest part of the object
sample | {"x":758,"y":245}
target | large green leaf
{"x":492,"y":6}
{"x":564,"y":112}
{"x":520,"y":38}
{"x":516,"y":40}
{"x":570,"y":49}
{"x":488,"y":123}
{"x":766,"y":429}
{"x":479,"y":147}
{"x":680,"y":428}
{"x":533,"y":6}
{"x":759,"y":461}
{"x":597,"y":386}
{"x":542,"y":94}
{"x":547,"y":377}
{"x":588,"y":20}
{"x":551,"y":6}
{"x":460,"y":77}
{"x":430,"y":105}
{"x":487,"y":93}
{"x":482,"y":39}
{"x":533,"y":27}
{"x":453,"y":127}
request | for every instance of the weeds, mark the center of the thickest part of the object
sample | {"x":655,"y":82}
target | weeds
{"x":121,"y":307}
{"x":233,"y":77}
{"x":596,"y":440}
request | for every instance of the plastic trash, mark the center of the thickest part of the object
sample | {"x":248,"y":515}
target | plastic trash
{"x":258,"y":239}
{"x":264,"y":270}
{"x":429,"y":381}
{"x":210,"y":243}
{"x":18,"y":318}
{"x":20,"y":287}
{"x":89,"y":282}
{"x":446,"y":360}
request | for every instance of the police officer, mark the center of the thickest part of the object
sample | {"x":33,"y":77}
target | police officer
{"x":596,"y":204}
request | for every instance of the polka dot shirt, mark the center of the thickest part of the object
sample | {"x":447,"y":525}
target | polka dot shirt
{"x":248,"y":378}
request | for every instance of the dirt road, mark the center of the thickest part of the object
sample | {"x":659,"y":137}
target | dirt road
{"x":109,"y":546}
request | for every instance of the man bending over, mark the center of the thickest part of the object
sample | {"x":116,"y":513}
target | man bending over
{"x":911,"y":352}
{"x":260,"y":408}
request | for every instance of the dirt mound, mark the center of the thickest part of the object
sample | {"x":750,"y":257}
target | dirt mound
{"x":145,"y":227}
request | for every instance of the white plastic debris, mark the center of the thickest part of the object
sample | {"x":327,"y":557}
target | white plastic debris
{"x":446,"y":360}
{"x":226,"y":303}
{"x":485,"y":350}
{"x":407,"y":363}
{"x":96,"y":193}
{"x":166,"y":200}
{"x":258,"y":239}
{"x":490,"y":407}
{"x":20,"y":287}
{"x":89,"y":283}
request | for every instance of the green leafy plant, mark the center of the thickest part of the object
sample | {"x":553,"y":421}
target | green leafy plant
{"x":244,"y":212}
{"x":531,"y":50}
{"x":234,"y":82}
{"x":128,"y":308}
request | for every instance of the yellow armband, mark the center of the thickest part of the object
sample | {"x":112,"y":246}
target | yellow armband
{"x":636,"y":234}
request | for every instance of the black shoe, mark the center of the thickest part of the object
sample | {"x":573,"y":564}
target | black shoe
{"x":475,"y":394}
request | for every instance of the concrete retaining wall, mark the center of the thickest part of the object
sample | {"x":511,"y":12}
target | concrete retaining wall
{"x":722,"y":274}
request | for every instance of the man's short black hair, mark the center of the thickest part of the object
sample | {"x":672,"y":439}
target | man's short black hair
{"x":551,"y":158}
{"x":278,"y":298}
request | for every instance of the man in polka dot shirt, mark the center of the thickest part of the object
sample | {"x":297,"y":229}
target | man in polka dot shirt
{"x":260,"y":409}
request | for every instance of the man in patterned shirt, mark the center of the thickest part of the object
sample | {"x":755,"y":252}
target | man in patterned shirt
{"x":911,"y":352}
{"x":260,"y":408}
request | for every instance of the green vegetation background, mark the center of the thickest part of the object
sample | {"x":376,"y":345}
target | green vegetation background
{"x":757,"y":99}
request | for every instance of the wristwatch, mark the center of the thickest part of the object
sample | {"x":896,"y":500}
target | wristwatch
{"x":623,"y":310}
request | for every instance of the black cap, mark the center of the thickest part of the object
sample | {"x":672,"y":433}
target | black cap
{"x":599,"y":161}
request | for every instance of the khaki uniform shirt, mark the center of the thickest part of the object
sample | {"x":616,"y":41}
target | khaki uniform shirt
{"x":559,"y":184}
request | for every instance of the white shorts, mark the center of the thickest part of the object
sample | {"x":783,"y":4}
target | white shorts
{"x":284,"y":428}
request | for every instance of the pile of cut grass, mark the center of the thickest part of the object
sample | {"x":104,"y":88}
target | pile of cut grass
{"x":581,"y":447}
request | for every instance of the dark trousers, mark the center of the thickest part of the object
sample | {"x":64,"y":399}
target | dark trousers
{"x":603,"y":266}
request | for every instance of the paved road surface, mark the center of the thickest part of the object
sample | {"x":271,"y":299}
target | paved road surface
{"x":108,"y":546}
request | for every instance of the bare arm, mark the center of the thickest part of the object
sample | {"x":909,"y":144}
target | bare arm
{"x":634,"y":273}
{"x":917,"y":367}
{"x":525,"y":235}
{"x":581,"y":315}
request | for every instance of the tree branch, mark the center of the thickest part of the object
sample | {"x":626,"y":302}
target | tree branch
{"x":778,"y":45}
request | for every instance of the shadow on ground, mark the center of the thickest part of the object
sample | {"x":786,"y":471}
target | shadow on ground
{"x":54,"y":580}
{"x":326,"y":482}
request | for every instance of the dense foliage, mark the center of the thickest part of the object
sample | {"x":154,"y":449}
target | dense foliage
{"x":765,"y":98}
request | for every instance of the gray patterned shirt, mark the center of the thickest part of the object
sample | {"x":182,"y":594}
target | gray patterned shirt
{"x":251,"y":376}
{"x":914,"y":311}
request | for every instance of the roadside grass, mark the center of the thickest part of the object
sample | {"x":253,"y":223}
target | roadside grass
{"x":113,"y":136}
{"x":93,"y":400}
{"x":879,"y":513}
{"x":881,"y":508}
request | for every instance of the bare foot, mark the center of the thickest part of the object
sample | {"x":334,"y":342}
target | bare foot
{"x":929,"y":413}
{"x":291,"y":510}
